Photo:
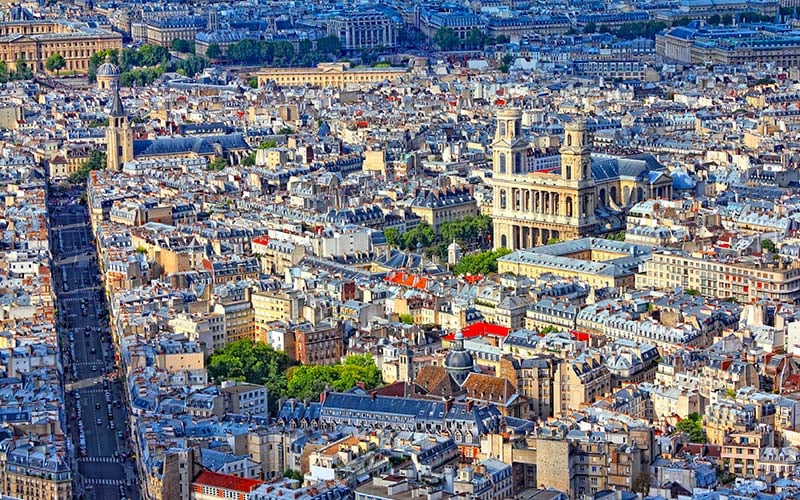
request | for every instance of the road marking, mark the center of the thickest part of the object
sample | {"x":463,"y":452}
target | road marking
{"x":107,"y":482}
{"x":99,"y":459}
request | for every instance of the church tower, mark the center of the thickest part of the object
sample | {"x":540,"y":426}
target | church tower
{"x":406,"y":364}
{"x":576,"y":152}
{"x":119,"y":135}
{"x":509,"y":148}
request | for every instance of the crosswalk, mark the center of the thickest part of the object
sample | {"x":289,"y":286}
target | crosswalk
{"x":107,"y":460}
{"x":105,"y":482}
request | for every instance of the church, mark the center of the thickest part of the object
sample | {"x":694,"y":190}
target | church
{"x":121,"y":146}
{"x":585,"y":195}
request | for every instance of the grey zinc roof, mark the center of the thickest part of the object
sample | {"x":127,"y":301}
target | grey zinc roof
{"x":178,"y":145}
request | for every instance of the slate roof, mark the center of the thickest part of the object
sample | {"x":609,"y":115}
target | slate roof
{"x":180,"y":145}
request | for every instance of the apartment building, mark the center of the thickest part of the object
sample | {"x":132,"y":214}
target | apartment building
{"x":743,"y":279}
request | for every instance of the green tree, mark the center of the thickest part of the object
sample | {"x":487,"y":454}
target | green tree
{"x":714,"y":19}
{"x":283,"y":52}
{"x":422,"y":234}
{"x":447,"y":39}
{"x":308,"y":381}
{"x":293,"y":474}
{"x":475,"y":38}
{"x":552,"y":241}
{"x":217,"y":164}
{"x":590,"y":28}
{"x":481,"y":262}
{"x":253,"y":362}
{"x":505,"y":63}
{"x":213,"y":51}
{"x":682,"y":21}
{"x":96,"y":161}
{"x":768,"y":245}
{"x":641,"y":483}
{"x":252,"y":82}
{"x":726,"y":19}
{"x":55,"y":63}
{"x":329,"y":45}
{"x":392,"y":236}
{"x":693,"y":292}
{"x":249,"y":160}
{"x":286,"y":131}
{"x":4,"y":76}
{"x":23,"y":71}
{"x":268,"y":144}
{"x":502,"y":39}
{"x":406,"y":319}
{"x":183,"y":46}
{"x":692,"y":426}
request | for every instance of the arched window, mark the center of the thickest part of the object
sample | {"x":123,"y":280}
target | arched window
{"x":503,"y":241}
{"x":569,"y":139}
{"x":586,"y":170}
{"x":502,"y":129}
{"x":502,"y":163}
{"x":569,"y":171}
{"x":569,"y":206}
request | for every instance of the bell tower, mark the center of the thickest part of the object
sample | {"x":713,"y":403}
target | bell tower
{"x":576,"y":152}
{"x":508,"y":147}
{"x":119,"y":135}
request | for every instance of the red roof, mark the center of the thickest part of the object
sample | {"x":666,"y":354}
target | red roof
{"x":409,"y":280}
{"x":215,"y":480}
{"x":261,"y":240}
{"x":580,"y":336}
{"x":481,"y":329}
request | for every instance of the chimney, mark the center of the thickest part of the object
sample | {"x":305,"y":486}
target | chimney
{"x":469,"y":406}
{"x":373,"y":395}
{"x":322,"y":396}
{"x":448,"y":403}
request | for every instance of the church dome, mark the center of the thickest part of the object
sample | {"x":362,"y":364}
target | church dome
{"x":458,"y":361}
{"x":108,"y":69}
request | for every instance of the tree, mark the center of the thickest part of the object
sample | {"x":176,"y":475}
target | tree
{"x":249,"y":160}
{"x":286,"y":131}
{"x":505,"y":63}
{"x":641,"y":484}
{"x":475,"y":38}
{"x":714,"y":19}
{"x":768,"y":245}
{"x":682,"y":21}
{"x":502,"y":39}
{"x":23,"y":71}
{"x":4,"y":76}
{"x":96,"y":161}
{"x":183,"y":46}
{"x":726,"y":19}
{"x":217,"y":164}
{"x":392,"y":236}
{"x":253,"y":362}
{"x":329,"y":45}
{"x":268,"y":144}
{"x":293,"y":474}
{"x":421,"y":235}
{"x":252,"y":82}
{"x":447,"y":39}
{"x":692,"y":426}
{"x":406,"y":319}
{"x":693,"y":292}
{"x":590,"y":28}
{"x":55,"y":63}
{"x":213,"y":51}
{"x":552,"y":241}
{"x":308,"y":381}
{"x":481,"y":262}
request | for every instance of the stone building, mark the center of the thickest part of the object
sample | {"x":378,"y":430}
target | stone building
{"x":583,"y":196}
{"x":33,"y":41}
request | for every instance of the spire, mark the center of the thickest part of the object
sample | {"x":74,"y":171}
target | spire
{"x":117,"y":109}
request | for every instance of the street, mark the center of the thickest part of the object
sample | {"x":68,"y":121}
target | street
{"x":95,"y":399}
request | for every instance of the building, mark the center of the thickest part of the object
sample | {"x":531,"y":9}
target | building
{"x":599,"y":262}
{"x":319,"y":344}
{"x":363,"y":30}
{"x":34,"y":471}
{"x":584,"y":196}
{"x":579,"y":382}
{"x":163,"y":31}
{"x":728,"y":46}
{"x":743,"y":279}
{"x":33,"y":41}
{"x":244,"y":399}
{"x":119,"y":135}
{"x":328,"y":75}
{"x":212,"y":486}
{"x":444,"y":205}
